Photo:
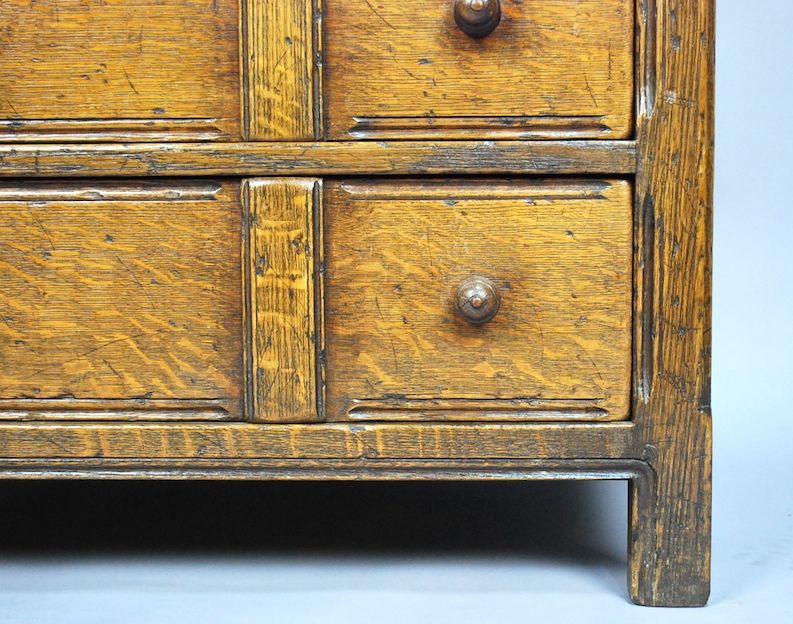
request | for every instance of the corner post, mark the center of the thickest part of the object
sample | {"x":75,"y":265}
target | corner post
{"x":671,"y":516}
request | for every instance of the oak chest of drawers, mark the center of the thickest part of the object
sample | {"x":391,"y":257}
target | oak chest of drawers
{"x":364,"y":239}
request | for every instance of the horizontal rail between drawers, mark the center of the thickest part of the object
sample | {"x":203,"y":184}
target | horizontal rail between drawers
{"x":315,"y":441}
{"x":315,"y":159}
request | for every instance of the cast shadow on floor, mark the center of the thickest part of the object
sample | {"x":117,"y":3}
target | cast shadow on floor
{"x":579,"y":524}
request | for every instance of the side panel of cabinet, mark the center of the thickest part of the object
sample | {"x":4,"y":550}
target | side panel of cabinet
{"x":121,"y":300}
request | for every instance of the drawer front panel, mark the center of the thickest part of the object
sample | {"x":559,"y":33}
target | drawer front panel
{"x":550,"y":69}
{"x":119,"y":70}
{"x":121,"y":300}
{"x":407,"y":260}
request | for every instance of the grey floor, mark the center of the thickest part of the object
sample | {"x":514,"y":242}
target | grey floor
{"x":275,"y":552}
{"x":495,"y":553}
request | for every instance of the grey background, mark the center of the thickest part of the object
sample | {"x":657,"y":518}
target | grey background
{"x":156,"y":552}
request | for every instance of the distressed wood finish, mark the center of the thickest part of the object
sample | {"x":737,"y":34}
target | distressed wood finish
{"x":119,"y":70}
{"x":285,"y":335}
{"x":328,"y":469}
{"x":281,"y":84}
{"x":319,"y":441}
{"x":313,"y":159}
{"x":120,"y":298}
{"x":559,"y":254}
{"x":138,"y":317}
{"x":552,"y":68}
{"x":670,"y":554}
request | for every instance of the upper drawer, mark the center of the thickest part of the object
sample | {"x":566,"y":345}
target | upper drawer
{"x":119,"y":70}
{"x":225,"y":70}
{"x":549,"y":69}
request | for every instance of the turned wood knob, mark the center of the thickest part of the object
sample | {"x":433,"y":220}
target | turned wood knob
{"x":477,"y":18}
{"x":477,"y":300}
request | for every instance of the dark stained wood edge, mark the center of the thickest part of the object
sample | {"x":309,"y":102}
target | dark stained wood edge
{"x":335,"y":470}
{"x":317,"y":159}
{"x":27,"y":440}
{"x":670,"y":549}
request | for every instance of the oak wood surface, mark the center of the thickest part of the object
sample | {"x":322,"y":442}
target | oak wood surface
{"x":369,"y":441}
{"x":119,"y":70}
{"x":312,"y":159}
{"x":285,"y":335}
{"x":119,"y":296}
{"x":559,"y":253}
{"x":670,"y":549}
{"x":170,"y":86}
{"x":332,"y":469}
{"x":551,"y":68}
{"x":280,"y":88}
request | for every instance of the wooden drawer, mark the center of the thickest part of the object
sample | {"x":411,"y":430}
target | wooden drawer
{"x":145,"y":70}
{"x":400,"y":254}
{"x":551,"y":68}
{"x":121,"y":300}
{"x":225,"y":70}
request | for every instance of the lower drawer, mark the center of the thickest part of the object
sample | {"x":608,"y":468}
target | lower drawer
{"x":303,"y":300}
{"x":416,"y":269}
{"x":121,"y":300}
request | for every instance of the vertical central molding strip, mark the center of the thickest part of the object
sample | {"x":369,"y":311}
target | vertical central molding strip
{"x":283,"y":287}
{"x":280,"y":79}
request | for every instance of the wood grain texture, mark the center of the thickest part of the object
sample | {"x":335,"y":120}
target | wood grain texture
{"x":551,"y":69}
{"x":127,"y":300}
{"x":285,"y":335}
{"x":670,"y":554}
{"x":560,"y":253}
{"x":120,"y":296}
{"x":331,"y":469}
{"x":372,"y":442}
{"x":314,"y":159}
{"x":119,"y":70}
{"x":279,"y":70}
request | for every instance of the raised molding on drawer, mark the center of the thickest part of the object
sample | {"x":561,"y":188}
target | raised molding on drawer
{"x":284,"y":298}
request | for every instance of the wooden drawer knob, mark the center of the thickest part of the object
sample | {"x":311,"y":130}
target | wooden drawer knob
{"x":477,"y":18}
{"x":477,"y":300}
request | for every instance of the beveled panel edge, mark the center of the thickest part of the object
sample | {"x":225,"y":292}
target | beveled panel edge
{"x":127,"y":410}
{"x":535,"y":127}
{"x":319,"y":158}
{"x":143,"y":190}
{"x":115,"y":130}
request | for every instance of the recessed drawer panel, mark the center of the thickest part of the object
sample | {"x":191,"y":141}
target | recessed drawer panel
{"x":119,"y":70}
{"x":121,"y":300}
{"x":548,"y":69}
{"x":478,"y":299}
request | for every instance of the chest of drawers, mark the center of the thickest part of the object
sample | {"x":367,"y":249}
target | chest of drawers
{"x":364,"y":239}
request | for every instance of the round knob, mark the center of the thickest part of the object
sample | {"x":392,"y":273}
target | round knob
{"x":477,"y":18}
{"x":477,"y":300}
